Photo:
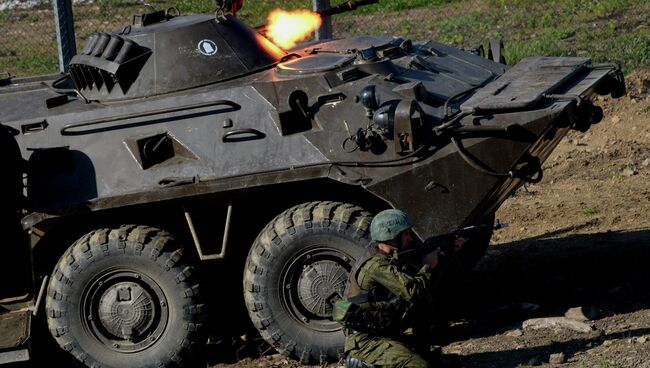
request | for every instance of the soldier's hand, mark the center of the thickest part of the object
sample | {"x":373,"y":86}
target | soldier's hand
{"x":458,"y":243}
{"x":431,"y":258}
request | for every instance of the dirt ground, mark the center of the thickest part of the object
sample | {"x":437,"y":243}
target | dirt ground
{"x":580,"y":238}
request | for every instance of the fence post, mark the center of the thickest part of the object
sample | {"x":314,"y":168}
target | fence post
{"x":325,"y":30}
{"x":64,"y":32}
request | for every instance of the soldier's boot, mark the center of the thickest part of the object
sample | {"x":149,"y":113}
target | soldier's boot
{"x":351,"y":362}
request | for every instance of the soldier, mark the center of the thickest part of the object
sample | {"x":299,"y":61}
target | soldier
{"x":385,"y":297}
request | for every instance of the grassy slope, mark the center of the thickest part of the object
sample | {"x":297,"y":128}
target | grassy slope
{"x":607,"y":30}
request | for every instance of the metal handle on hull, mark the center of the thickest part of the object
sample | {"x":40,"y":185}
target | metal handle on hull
{"x":242,"y":135}
{"x":77,"y":128}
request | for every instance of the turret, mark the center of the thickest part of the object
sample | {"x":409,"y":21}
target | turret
{"x":160,"y":53}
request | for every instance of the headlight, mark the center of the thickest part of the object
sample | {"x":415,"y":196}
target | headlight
{"x":384,"y":117}
{"x":369,"y":98}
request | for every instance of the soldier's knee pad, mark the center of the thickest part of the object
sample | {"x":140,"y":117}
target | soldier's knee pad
{"x":351,"y":362}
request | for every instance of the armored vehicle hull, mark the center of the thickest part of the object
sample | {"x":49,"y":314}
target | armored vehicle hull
{"x":187,"y":144}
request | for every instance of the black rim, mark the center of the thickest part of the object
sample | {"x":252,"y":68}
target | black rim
{"x":311,"y":281}
{"x":124,"y":310}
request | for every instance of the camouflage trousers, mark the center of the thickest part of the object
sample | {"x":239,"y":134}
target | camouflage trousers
{"x":382,"y":352}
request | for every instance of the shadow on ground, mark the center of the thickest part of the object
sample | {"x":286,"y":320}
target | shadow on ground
{"x":543,"y":277}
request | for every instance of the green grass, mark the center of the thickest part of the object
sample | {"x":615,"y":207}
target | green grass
{"x":39,"y":64}
{"x":589,"y":212}
{"x":605,"y":30}
{"x":395,"y":5}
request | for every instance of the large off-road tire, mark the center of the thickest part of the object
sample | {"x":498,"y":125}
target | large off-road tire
{"x":297,"y":267}
{"x":124,"y":297}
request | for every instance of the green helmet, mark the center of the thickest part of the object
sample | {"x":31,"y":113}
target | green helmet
{"x":388,"y":224}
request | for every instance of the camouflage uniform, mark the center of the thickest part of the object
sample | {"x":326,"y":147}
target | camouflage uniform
{"x":397,"y":291}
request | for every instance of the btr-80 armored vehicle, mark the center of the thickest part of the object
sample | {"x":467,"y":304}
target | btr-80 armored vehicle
{"x":191,"y":150}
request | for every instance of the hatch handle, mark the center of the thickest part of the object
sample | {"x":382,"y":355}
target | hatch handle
{"x":242,"y":135}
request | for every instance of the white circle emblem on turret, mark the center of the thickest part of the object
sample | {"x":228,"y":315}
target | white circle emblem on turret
{"x":207,"y":47}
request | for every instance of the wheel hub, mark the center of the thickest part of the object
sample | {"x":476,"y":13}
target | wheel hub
{"x":126,"y":310}
{"x":319,"y":284}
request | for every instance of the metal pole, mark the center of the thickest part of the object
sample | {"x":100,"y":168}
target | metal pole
{"x":64,"y":32}
{"x":325,"y":30}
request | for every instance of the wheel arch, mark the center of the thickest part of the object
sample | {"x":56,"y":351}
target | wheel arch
{"x":253,"y":208}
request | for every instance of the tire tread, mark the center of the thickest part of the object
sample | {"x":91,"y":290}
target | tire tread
{"x":134,"y":241}
{"x":342,"y":217}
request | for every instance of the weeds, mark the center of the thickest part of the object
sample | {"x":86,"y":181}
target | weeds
{"x":608,"y":364}
{"x":605,"y":30}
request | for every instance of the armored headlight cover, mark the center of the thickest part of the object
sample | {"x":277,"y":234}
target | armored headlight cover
{"x":369,"y":98}
{"x":384,"y":117}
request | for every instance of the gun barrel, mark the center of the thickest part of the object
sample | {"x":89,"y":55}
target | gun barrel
{"x":345,"y":7}
{"x":436,"y":241}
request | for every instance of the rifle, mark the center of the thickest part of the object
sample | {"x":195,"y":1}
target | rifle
{"x":446,"y":241}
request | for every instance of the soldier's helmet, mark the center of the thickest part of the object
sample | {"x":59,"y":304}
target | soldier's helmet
{"x":388,"y":224}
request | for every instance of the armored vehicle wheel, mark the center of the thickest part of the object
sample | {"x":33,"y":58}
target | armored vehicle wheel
{"x":124,"y":297}
{"x":298,"y":266}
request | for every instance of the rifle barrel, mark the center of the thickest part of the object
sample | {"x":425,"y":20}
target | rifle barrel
{"x":436,"y":241}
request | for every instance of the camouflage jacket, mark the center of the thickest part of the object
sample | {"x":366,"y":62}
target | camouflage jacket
{"x":391,"y":290}
{"x":382,"y":276}
{"x":397,"y":294}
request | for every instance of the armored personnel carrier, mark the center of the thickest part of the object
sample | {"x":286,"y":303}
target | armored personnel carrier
{"x":188,"y":169}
